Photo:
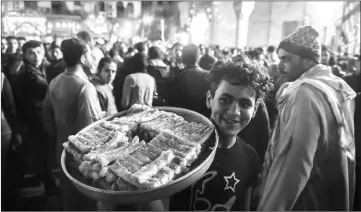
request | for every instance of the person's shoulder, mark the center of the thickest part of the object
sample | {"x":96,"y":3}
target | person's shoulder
{"x":248,"y":150}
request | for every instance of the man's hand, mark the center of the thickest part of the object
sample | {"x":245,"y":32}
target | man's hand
{"x":103,"y":114}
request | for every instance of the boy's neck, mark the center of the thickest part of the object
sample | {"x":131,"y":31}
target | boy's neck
{"x":226,"y":142}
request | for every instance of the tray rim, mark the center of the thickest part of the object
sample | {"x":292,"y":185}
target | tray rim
{"x":141,"y":191}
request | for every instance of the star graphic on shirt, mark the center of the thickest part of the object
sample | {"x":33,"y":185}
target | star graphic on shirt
{"x":231,"y":182}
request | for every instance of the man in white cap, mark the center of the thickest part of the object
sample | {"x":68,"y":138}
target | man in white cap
{"x":310,"y":161}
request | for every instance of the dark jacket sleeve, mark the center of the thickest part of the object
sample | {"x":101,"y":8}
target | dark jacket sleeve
{"x":8,"y":107}
{"x":29,"y":93}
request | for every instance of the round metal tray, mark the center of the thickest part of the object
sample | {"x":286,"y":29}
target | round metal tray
{"x":198,"y":168}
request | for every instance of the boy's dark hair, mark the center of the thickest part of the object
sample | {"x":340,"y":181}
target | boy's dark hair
{"x":85,"y":36}
{"x":30,"y":45}
{"x":73,"y":49}
{"x":154,"y":52}
{"x":140,"y":46}
{"x":190,"y":54}
{"x":21,"y":38}
{"x":240,"y":70}
{"x":271,"y":49}
{"x":103,"y":61}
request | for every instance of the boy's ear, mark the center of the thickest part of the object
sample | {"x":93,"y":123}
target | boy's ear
{"x":255,"y":108}
{"x":209,"y":100}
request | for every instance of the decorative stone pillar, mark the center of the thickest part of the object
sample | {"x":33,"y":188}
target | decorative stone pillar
{"x":237,"y":6}
{"x":243,"y":10}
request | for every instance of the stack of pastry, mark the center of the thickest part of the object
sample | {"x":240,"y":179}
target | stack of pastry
{"x":144,"y":149}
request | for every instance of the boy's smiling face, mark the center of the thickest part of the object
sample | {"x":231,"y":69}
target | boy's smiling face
{"x":232,"y":106}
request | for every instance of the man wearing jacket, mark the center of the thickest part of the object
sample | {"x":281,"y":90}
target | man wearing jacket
{"x":310,"y":161}
{"x":29,"y":88}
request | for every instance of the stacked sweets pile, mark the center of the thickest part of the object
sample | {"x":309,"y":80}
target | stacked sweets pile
{"x":144,"y":149}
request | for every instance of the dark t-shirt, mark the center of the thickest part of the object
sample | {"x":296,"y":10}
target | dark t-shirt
{"x":224,"y":185}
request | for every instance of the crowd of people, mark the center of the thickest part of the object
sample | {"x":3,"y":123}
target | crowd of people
{"x":293,"y":108}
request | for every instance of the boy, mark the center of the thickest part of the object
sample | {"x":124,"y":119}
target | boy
{"x":102,"y":81}
{"x":237,"y":86}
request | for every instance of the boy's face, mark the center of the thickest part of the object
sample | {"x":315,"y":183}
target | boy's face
{"x":108,"y":72}
{"x":13,"y":45}
{"x":233,"y":106}
{"x":35,"y":55}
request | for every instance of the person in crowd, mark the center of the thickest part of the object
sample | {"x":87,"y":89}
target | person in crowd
{"x":258,"y":56}
{"x":160,"y":71}
{"x":21,"y":42}
{"x":353,"y":79}
{"x":12,"y":55}
{"x":102,"y":81}
{"x":271,"y":102}
{"x":310,"y":161}
{"x":29,"y":89}
{"x":11,"y":141}
{"x":57,"y":65}
{"x":351,"y":68}
{"x":175,"y":59}
{"x":96,"y":53}
{"x":218,"y":52}
{"x":138,"y":63}
{"x":139,"y":87}
{"x":70,"y":105}
{"x":4,"y":47}
{"x":130,"y":52}
{"x":336,"y":69}
{"x":234,"y":52}
{"x":272,"y":55}
{"x":208,"y":59}
{"x":343,"y":63}
{"x":190,"y":86}
{"x":122,"y":72}
{"x":202,"y":49}
{"x":325,"y":55}
{"x":235,"y":90}
{"x":117,"y":53}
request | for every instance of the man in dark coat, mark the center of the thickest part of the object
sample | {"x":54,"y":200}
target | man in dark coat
{"x":190,"y":86}
{"x":57,"y":65}
{"x":30,"y":87}
{"x":208,"y":59}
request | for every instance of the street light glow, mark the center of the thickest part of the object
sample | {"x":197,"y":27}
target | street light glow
{"x":147,"y":19}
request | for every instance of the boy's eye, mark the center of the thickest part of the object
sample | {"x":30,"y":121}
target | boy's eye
{"x":224,"y":100}
{"x":245,"y":104}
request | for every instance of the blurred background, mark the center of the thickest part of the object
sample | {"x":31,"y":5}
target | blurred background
{"x":228,"y":24}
